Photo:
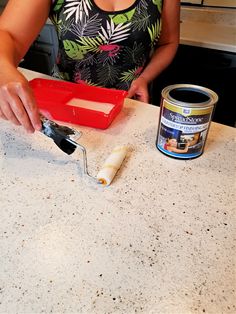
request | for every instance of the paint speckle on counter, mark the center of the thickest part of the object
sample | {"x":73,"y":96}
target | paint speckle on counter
{"x":160,"y":239}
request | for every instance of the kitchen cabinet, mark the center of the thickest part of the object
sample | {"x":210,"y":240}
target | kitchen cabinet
{"x":211,"y":3}
{"x":42,"y":53}
{"x":192,"y":1}
{"x":210,"y":68}
{"x":220,"y":3}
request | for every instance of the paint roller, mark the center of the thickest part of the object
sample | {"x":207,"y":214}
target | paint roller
{"x":66,"y":139}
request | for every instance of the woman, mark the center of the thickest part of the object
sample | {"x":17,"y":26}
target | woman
{"x":110,"y":43}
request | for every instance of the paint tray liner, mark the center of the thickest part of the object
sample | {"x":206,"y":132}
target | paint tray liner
{"x":77,"y":103}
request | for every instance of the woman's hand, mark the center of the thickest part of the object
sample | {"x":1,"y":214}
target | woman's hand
{"x":139,"y":90}
{"x":17,"y":103}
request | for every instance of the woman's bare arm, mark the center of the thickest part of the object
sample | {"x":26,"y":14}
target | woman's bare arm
{"x":167,"y":46}
{"x":20,"y":23}
{"x":168,"y":42}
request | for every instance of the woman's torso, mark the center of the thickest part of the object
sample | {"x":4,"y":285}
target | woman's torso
{"x":108,"y":49}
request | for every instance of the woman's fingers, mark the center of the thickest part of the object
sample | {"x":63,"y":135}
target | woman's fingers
{"x":139,"y":90}
{"x":8,"y":113}
{"x":142,"y":96}
{"x":30,"y":106}
{"x":13,"y":108}
{"x":139,"y":93}
{"x":18,"y":106}
{"x":2,"y":115}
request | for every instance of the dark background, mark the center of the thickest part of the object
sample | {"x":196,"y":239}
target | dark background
{"x":210,"y":68}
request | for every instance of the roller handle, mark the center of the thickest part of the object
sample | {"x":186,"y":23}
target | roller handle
{"x":59,"y":134}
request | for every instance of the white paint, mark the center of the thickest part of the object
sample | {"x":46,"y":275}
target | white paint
{"x":91,"y":105}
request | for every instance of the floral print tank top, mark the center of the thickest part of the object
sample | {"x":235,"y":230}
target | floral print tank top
{"x":108,"y":49}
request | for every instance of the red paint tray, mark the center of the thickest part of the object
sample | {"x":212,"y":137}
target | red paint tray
{"x":56,"y":100}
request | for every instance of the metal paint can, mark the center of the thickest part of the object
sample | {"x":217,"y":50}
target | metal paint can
{"x":185,"y":115}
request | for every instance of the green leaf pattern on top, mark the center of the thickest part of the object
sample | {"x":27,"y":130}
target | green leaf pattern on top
{"x":158,"y":3}
{"x":122,"y":18}
{"x":154,"y":31}
{"x":58,"y":5}
{"x":77,"y":8}
{"x":100,"y":48}
{"x":113,"y":34}
{"x":90,"y":44}
{"x":74,"y":50}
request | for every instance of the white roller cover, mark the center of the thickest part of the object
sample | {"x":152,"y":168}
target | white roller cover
{"x":112,"y":165}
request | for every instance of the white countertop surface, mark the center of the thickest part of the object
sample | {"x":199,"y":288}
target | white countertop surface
{"x":160,"y":239}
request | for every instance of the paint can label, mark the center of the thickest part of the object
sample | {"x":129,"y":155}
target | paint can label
{"x":183,"y":130}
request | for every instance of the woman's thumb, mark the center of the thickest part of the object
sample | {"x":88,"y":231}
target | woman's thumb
{"x":132,"y":91}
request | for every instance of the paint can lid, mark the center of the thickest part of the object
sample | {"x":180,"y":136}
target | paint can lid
{"x":190,"y":95}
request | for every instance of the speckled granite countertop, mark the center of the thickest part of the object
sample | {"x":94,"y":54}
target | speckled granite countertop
{"x":160,"y":239}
